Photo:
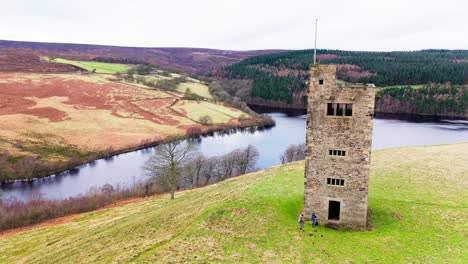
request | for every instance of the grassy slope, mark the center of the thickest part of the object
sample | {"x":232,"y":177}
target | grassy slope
{"x":218,"y":113}
{"x":194,"y":85}
{"x":97,"y":129}
{"x":417,"y":197}
{"x":196,"y":88}
{"x":101,"y":67}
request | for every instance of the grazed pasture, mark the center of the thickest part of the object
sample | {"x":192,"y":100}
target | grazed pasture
{"x":93,"y":66}
{"x":417,"y":197}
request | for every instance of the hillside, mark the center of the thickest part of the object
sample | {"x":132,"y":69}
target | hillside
{"x":53,"y":122}
{"x":92,"y":66}
{"x":21,"y":60}
{"x":193,"y":60}
{"x":417,"y":197}
{"x":432,"y":99}
{"x":281,"y":79}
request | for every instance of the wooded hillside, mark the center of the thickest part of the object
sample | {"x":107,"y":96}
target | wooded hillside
{"x":282,"y":78}
{"x":446,"y":100}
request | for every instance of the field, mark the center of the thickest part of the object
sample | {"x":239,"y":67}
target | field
{"x":417,"y":197}
{"x":219,"y":113}
{"x":57,"y":116}
{"x":98,"y":67}
{"x":195,"y":87}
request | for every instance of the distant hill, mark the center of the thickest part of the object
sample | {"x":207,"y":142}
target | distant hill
{"x":281,"y":79}
{"x":24,"y":56}
{"x":417,"y":200}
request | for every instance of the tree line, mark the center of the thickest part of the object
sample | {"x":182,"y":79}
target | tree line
{"x":176,"y":166}
{"x":120,"y":60}
{"x":432,"y":99}
{"x":293,"y":153}
{"x":279,"y":76}
{"x":29,"y":167}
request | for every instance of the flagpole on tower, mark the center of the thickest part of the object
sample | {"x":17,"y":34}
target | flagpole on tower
{"x":315,"y":48}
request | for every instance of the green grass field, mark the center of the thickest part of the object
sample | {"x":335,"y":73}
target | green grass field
{"x":101,"y":67}
{"x":218,"y":113}
{"x":196,"y":88}
{"x":417,"y":197}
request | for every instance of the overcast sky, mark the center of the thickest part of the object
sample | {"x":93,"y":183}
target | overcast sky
{"x":241,"y":24}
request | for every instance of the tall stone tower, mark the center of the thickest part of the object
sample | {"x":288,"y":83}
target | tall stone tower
{"x":339,"y":137}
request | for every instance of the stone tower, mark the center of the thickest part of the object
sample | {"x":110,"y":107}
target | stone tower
{"x":339,"y":137}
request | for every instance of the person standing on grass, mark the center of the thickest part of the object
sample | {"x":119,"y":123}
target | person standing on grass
{"x":301,"y":222}
{"x":313,"y":218}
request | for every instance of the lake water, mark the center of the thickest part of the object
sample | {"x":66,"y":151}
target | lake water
{"x":125,"y":169}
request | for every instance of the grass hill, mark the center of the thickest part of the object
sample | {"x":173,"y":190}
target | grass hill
{"x":417,"y":197}
{"x":98,"y":67}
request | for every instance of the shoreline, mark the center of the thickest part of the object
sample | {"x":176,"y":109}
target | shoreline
{"x":218,"y":128}
{"x":298,"y":110}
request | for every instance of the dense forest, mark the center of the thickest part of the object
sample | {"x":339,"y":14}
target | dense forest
{"x":433,"y":99}
{"x":281,"y":78}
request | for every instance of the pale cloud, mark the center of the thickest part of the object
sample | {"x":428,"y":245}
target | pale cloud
{"x":241,"y":24}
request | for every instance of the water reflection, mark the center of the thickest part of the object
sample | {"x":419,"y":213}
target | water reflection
{"x":125,"y":169}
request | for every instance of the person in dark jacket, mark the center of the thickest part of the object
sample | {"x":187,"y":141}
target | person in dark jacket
{"x":301,"y":222}
{"x":313,"y":219}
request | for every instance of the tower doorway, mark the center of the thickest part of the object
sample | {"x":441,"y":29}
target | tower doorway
{"x":333,"y":210}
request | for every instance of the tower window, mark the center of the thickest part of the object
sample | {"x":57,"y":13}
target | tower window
{"x":335,"y":182}
{"x":340,"y":109}
{"x":334,"y":109}
{"x":331,"y":109}
{"x":335,"y":152}
{"x":321,"y":81}
{"x":349,"y":110}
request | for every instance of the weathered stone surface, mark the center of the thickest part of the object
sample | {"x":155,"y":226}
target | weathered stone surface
{"x":350,"y":133}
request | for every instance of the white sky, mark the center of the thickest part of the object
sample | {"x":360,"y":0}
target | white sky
{"x":241,"y":24}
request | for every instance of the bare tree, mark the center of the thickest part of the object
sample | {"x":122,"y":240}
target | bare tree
{"x":211,"y":170}
{"x":228,"y":163}
{"x":247,"y":159}
{"x":293,"y":153}
{"x":194,"y":170}
{"x":301,"y":151}
{"x":25,"y":166}
{"x":166,"y":164}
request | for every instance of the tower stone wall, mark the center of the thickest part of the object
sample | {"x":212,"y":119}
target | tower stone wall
{"x":339,"y":138}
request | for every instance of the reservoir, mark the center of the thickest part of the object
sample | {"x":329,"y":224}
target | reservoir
{"x":126,"y":169}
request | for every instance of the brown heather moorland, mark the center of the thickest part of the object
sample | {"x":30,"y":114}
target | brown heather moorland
{"x":52,"y":118}
{"x":193,"y":60}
